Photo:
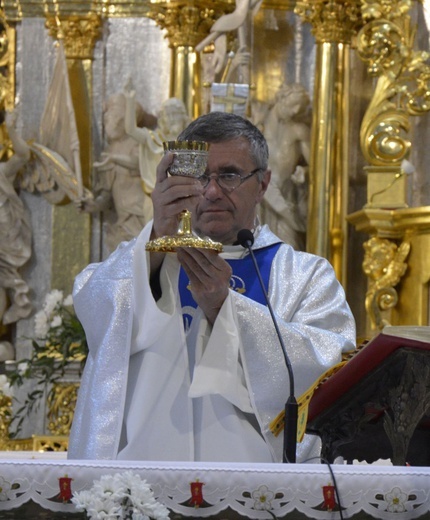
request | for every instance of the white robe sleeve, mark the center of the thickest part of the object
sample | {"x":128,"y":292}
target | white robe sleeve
{"x":218,"y":369}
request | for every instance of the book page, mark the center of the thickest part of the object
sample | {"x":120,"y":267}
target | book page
{"x":419,"y":333}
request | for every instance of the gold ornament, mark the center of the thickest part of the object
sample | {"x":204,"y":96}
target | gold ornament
{"x":183,"y":238}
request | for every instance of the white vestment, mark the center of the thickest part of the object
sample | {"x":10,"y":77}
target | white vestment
{"x":152,"y":392}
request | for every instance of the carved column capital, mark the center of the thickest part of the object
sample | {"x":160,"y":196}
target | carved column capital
{"x":78,"y":32}
{"x":333,"y":20}
{"x":187,"y":23}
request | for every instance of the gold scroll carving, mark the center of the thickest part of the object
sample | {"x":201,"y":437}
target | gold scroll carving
{"x":61,"y":406}
{"x":386,"y":43}
{"x":384,"y":264}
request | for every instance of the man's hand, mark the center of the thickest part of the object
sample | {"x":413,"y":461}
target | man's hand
{"x":209,"y":276}
{"x":172,"y":195}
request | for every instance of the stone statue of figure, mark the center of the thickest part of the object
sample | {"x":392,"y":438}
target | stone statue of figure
{"x":172,"y":119}
{"x":118,"y":189}
{"x":287,"y":130}
{"x":15,"y":232}
{"x":235,"y":21}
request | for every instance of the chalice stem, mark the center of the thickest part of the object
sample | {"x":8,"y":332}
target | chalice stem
{"x":184,"y":223}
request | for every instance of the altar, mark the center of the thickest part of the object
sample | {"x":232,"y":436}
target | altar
{"x":37,"y":488}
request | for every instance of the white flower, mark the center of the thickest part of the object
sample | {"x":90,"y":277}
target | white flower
{"x":95,"y":505}
{"x":263,"y":497}
{"x":68,"y":301}
{"x":5,"y":489}
{"x":48,"y":318}
{"x":395,"y":499}
{"x":5,"y":387}
{"x":57,"y":321}
{"x":23,"y":367}
{"x":41,"y":326}
{"x":52,"y":299}
{"x":123,"y":495}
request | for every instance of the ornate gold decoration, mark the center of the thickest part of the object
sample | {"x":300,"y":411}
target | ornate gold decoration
{"x":61,"y":406}
{"x":16,"y":10}
{"x":183,"y":238}
{"x":79,"y":33}
{"x":187,"y":23}
{"x":333,"y":20}
{"x":189,"y":157}
{"x":7,"y":65}
{"x":386,"y":44}
{"x":49,"y":443}
{"x":5,"y":419}
{"x":384,"y":264}
{"x":410,"y":225}
{"x":35,"y":443}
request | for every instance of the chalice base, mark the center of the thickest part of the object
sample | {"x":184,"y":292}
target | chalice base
{"x":183,"y":238}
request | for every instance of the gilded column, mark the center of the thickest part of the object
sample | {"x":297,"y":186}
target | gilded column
{"x":187,"y":23}
{"x":71,"y":230}
{"x":7,"y":65}
{"x":334,"y":24}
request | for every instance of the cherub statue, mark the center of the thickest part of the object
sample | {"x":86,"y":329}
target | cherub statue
{"x":287,"y":130}
{"x":172,"y":119}
{"x":118,"y":187}
{"x":15,"y":232}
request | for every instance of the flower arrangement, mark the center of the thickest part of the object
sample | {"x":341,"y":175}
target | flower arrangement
{"x":60,"y":340}
{"x":120,"y":496}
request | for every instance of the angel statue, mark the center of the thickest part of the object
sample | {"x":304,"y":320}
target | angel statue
{"x":34,"y":168}
{"x":118,"y":188}
{"x":172,"y":119}
{"x":15,"y":232}
{"x":287,"y":130}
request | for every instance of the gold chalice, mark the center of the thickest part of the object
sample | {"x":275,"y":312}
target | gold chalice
{"x":190,"y":159}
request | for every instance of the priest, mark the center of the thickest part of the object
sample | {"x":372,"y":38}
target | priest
{"x":184,"y":361}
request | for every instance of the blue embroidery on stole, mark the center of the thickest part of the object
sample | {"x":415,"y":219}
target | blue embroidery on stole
{"x":244,"y":280}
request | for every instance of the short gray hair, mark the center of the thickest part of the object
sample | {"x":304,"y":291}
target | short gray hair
{"x":217,"y":127}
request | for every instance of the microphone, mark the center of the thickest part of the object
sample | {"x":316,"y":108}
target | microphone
{"x":246,"y":239}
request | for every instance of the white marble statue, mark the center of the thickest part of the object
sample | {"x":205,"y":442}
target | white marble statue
{"x":235,"y":21}
{"x":287,"y":130}
{"x":15,"y":233}
{"x":118,"y":188}
{"x":172,"y":119}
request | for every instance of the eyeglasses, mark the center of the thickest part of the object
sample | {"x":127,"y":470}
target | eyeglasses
{"x":227,"y":181}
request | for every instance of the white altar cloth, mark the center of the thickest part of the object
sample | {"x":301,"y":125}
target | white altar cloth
{"x":259,"y":491}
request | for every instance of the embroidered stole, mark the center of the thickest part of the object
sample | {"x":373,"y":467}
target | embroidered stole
{"x":244,"y":280}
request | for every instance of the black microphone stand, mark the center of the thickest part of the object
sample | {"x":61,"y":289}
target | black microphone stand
{"x":291,"y":406}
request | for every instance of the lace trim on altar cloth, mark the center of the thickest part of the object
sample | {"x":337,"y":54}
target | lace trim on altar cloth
{"x":205,"y":490}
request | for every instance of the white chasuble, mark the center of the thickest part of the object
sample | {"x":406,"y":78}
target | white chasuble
{"x":186,"y":395}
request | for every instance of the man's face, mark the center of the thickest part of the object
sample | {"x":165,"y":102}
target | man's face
{"x":220,"y":215}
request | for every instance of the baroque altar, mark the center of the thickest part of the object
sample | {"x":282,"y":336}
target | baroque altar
{"x":369,"y":190}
